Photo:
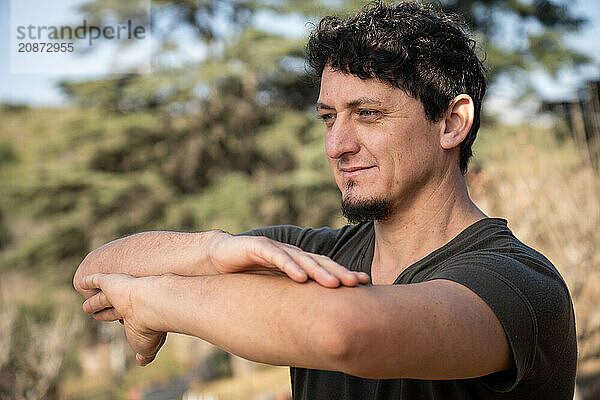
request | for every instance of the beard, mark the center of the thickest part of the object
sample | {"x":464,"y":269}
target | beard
{"x":359,"y":211}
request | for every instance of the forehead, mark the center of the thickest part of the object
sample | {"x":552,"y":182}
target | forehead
{"x":337,"y":87}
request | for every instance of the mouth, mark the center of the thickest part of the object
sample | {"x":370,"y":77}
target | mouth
{"x":353,"y":171}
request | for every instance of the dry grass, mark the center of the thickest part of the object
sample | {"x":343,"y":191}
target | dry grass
{"x":265,"y":383}
{"x":33,"y":348}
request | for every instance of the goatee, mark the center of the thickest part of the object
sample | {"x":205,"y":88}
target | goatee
{"x":359,"y":211}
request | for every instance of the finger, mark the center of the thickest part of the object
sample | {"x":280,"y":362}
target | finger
{"x":339,"y":271}
{"x":364,"y":278}
{"x":262,"y":270}
{"x":92,"y":281}
{"x":107,"y":315}
{"x":315,"y":270}
{"x":324,"y":270}
{"x":89,"y":293}
{"x":96,"y":303}
{"x":142,"y":361}
{"x":346,"y":277}
{"x":269,"y":254}
{"x":145,"y":359}
{"x":299,"y":265}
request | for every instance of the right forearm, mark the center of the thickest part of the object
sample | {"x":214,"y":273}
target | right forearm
{"x":150,"y":253}
{"x":211,"y":253}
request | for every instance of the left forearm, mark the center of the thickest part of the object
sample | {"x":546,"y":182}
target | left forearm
{"x":431,"y":330}
{"x":263,"y":318}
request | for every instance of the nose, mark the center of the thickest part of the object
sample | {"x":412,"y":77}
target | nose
{"x":341,"y":140}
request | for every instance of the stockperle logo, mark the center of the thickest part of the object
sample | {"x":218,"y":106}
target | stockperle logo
{"x":55,"y":38}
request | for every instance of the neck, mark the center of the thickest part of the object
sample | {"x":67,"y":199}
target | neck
{"x":434,"y":217}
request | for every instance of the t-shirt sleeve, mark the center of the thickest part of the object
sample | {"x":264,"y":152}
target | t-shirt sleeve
{"x":523,"y":296}
{"x":318,"y":241}
{"x":281,"y":233}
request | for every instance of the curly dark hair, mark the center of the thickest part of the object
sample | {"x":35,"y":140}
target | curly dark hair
{"x":415,"y":47}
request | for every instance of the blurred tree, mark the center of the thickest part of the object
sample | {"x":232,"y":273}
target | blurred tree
{"x":516,"y":36}
{"x":522,"y":35}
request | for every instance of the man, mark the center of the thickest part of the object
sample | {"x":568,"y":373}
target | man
{"x":457,"y":308}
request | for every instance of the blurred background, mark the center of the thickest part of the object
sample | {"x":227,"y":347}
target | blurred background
{"x":221,"y":132}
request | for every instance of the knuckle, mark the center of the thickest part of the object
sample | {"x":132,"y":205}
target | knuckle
{"x":310,"y":263}
{"x":327,"y":260}
{"x":263,"y":241}
{"x":259,"y":245}
{"x":290,"y":265}
{"x":292,"y":247}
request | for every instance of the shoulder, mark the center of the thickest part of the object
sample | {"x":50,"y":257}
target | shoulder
{"x":529,"y":297}
{"x":489,"y":248}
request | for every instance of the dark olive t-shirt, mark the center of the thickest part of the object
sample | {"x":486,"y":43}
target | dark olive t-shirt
{"x":520,"y":285}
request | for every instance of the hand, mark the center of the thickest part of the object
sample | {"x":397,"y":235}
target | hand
{"x":230,"y":254}
{"x":114,"y":302}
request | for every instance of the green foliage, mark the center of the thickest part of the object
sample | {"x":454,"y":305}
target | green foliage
{"x":4,"y":232}
{"x":515,"y":35}
{"x":221,"y":364}
{"x":549,"y":50}
{"x":7,"y":154}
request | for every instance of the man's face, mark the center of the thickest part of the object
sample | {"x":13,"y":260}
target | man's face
{"x":380,"y":146}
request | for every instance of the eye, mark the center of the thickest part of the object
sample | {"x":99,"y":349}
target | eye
{"x":368,"y":113}
{"x":327,"y":118}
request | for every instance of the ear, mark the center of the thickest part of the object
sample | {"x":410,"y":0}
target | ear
{"x":458,"y":121}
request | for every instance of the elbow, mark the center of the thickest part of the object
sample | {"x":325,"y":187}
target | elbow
{"x":346,"y":340}
{"x":333,"y":343}
{"x":336,"y":342}
{"x":347,"y":350}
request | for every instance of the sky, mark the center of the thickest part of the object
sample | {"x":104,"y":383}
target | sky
{"x":39,"y":89}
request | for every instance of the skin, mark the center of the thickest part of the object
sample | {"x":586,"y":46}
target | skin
{"x":210,"y":253}
{"x":377,"y":137}
{"x":413,"y":163}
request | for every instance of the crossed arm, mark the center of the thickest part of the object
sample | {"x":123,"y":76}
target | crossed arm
{"x":210,"y":253}
{"x":432,"y":330}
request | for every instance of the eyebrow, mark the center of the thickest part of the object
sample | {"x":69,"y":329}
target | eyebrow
{"x":361,"y":101}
